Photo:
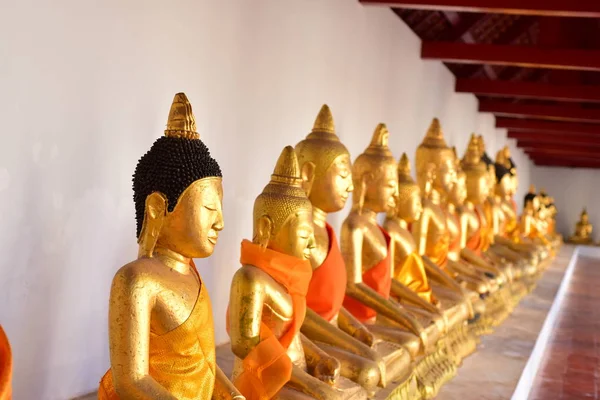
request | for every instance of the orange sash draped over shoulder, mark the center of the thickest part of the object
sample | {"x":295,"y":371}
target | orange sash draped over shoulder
{"x":412,"y":275}
{"x":328,"y":283}
{"x":183,"y":360}
{"x":267,"y":368}
{"x":5,"y":367}
{"x":378,"y":278}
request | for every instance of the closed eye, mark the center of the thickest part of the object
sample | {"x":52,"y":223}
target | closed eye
{"x":210,"y":208}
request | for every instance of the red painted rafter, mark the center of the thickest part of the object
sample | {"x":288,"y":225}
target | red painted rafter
{"x":564,"y":8}
{"x":551,"y":162}
{"x":525,"y":125}
{"x":521,"y":56}
{"x":541,"y":138}
{"x":549,"y":112}
{"x":558,"y":147}
{"x":528,"y":90}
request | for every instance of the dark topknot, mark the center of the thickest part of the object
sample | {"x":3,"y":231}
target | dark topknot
{"x":513,"y":168}
{"x":529,"y":197}
{"x":169,"y":167}
{"x":486,"y":159}
{"x":501,"y":171}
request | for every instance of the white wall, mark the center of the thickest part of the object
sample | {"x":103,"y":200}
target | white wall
{"x":86,"y":88}
{"x":572,"y":190}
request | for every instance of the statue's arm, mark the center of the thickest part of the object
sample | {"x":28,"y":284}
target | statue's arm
{"x":353,"y":338}
{"x":129,"y":313}
{"x":351,"y":244}
{"x":323,"y":366}
{"x":246,"y":299}
{"x":422,"y":230}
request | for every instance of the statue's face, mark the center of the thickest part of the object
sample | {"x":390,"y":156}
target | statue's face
{"x":584,"y":218}
{"x":478,"y":187}
{"x":331,"y":190}
{"x":446,"y":176}
{"x":414,"y":207}
{"x":296,"y":236}
{"x":458,"y":195}
{"x":192,"y":228}
{"x":504,"y":187}
{"x":382,"y":189}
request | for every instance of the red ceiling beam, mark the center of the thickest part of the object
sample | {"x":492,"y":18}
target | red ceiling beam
{"x":549,"y":112}
{"x":543,"y":138}
{"x":528,"y":90}
{"x":526,"y":125}
{"x":545,"y":162}
{"x":559,"y":147}
{"x":561,"y":8}
{"x":519,"y":56}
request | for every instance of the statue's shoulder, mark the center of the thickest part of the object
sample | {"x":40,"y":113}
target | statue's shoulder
{"x":354,"y":221}
{"x":136,"y":273}
{"x":248,"y":274}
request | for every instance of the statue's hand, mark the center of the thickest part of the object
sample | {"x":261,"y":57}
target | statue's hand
{"x":363,"y":335}
{"x":328,"y":370}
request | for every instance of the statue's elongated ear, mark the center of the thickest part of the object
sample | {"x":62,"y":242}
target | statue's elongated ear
{"x":154,"y":216}
{"x":308,"y":176}
{"x":263,"y":231}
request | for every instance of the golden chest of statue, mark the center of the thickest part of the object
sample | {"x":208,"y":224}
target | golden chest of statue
{"x":437,"y":228}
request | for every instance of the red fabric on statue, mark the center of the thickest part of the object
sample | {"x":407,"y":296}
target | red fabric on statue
{"x":327,"y":286}
{"x":378,"y":278}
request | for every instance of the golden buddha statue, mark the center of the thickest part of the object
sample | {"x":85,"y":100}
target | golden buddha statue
{"x":508,"y":244}
{"x":583,"y":230}
{"x":267,"y":302}
{"x":436,"y":177}
{"x":5,"y":367}
{"x":327,"y":179}
{"x":368,"y":253}
{"x":160,"y":319}
{"x":531,"y":228}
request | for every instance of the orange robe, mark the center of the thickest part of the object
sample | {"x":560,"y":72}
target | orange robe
{"x":267,"y":367}
{"x":479,"y":241}
{"x":412,"y":275}
{"x":438,"y":254}
{"x":328,"y":283}
{"x":378,"y":278}
{"x":5,"y":367}
{"x":183,"y":360}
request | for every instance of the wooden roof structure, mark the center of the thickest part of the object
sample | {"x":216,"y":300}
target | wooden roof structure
{"x":534,"y":64}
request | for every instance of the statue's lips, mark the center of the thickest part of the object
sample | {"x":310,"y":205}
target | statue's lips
{"x":213,"y":239}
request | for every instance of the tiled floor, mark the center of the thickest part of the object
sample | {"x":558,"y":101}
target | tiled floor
{"x":571,"y":365}
{"x":492,"y":373}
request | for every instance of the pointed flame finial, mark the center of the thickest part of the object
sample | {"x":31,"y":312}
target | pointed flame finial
{"x":324,"y":121}
{"x":404,"y":166}
{"x":287,"y":170}
{"x":181,"y":122}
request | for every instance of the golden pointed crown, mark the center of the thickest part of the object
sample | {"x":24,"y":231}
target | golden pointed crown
{"x":432,"y":152}
{"x":321,"y":146}
{"x":404,"y":170}
{"x":379,"y":142}
{"x":532,"y":188}
{"x":287,"y":170}
{"x":434,"y":138}
{"x":283,"y":196}
{"x":481,"y":143}
{"x":181,"y":122}
{"x":472,"y":157}
{"x":584,"y":211}
{"x":324,"y":127}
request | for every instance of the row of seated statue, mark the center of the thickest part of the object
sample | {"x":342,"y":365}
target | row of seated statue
{"x":311,"y":315}
{"x":583,"y":230}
